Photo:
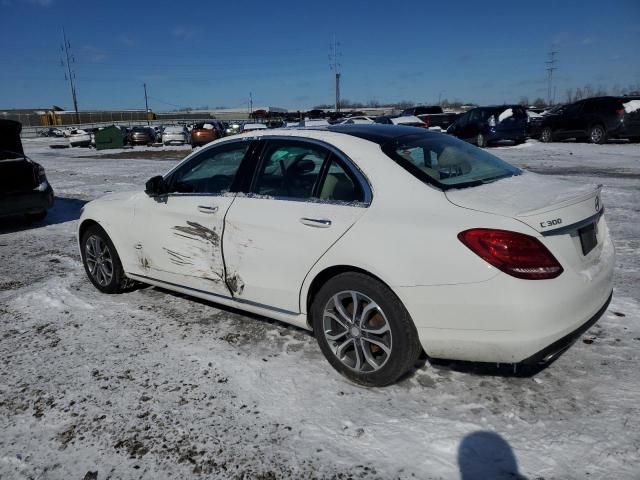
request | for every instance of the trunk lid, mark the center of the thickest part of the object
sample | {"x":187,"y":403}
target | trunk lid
{"x":10,"y":143}
{"x":545,"y":204}
{"x":566,"y":214}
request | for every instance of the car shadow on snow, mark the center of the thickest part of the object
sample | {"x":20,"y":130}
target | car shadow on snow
{"x":64,"y":210}
{"x":486,"y":455}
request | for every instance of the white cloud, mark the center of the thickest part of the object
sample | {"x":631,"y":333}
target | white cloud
{"x":183,"y":32}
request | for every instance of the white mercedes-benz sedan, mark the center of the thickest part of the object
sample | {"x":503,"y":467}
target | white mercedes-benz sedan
{"x":385,"y":241}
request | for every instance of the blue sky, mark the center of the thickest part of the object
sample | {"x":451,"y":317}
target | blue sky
{"x":215,"y":53}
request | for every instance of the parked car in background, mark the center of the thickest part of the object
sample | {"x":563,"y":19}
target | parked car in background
{"x":594,"y":120}
{"x":361,"y":120}
{"x":175,"y":135}
{"x":250,"y":127}
{"x":406,"y":120}
{"x":157,"y":130}
{"x":205,"y":132}
{"x":434,"y":116}
{"x":24,"y":189}
{"x":313,"y":122}
{"x":233,"y":128}
{"x":493,"y":264}
{"x":485,"y":126}
{"x":142,"y":136}
{"x":536,"y":118}
{"x":80,"y":138}
{"x":52,"y":132}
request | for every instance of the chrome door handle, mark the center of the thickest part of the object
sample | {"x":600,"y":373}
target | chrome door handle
{"x":207,"y":209}
{"x":315,"y":222}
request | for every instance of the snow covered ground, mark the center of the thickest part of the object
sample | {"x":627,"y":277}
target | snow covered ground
{"x":151,"y":384}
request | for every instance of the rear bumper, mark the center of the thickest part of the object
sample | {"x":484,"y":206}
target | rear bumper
{"x":550,"y":353}
{"x":33,"y":201}
{"x":507,"y":320}
{"x":174,"y":140}
{"x":626,"y":131}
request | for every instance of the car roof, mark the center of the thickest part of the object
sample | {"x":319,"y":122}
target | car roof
{"x":380,"y":133}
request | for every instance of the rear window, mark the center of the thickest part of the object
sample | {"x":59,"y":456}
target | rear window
{"x":447,"y":162}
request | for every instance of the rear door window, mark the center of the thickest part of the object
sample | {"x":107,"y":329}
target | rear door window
{"x":339,"y":185}
{"x":290,"y":169}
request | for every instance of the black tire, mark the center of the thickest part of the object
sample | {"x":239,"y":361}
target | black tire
{"x":402,"y":337}
{"x":481,"y":141}
{"x":118,"y":282}
{"x":36,"y":217}
{"x":597,"y":134}
{"x":546,"y":135}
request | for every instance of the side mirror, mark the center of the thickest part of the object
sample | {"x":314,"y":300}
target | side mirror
{"x":156,"y":186}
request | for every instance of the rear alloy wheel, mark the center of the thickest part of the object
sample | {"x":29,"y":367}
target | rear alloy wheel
{"x":363,"y":330}
{"x":546,"y":135}
{"x":481,"y":141}
{"x":597,"y":134}
{"x":102,"y":263}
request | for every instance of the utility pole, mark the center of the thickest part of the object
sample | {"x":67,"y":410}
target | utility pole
{"x":551,"y":66}
{"x":70,"y":58}
{"x":146,"y":104}
{"x":250,"y":104}
{"x":334,"y":58}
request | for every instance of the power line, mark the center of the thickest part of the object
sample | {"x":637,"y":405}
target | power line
{"x":70,"y":58}
{"x":334,"y":59}
{"x":551,"y":66}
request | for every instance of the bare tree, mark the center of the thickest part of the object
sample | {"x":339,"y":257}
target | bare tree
{"x":569,"y":95}
{"x":539,"y":103}
{"x":524,"y":101}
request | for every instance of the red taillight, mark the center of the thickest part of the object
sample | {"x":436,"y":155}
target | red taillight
{"x":517,"y":254}
{"x":620,"y":111}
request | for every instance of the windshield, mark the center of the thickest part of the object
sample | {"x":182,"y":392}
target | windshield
{"x":447,"y":162}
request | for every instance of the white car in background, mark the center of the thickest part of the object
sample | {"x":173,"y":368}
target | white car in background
{"x":383,"y":240}
{"x":79,"y":138}
{"x":175,"y":135}
{"x":250,"y":127}
{"x":356,"y":120}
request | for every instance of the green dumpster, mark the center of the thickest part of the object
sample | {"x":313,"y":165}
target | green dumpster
{"x":109,"y":137}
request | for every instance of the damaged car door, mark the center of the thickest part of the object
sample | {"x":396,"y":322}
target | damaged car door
{"x":304,"y":197}
{"x":181,"y":230}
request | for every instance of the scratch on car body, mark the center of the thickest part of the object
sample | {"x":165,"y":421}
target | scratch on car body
{"x":202,"y":257}
{"x":178,"y":258}
{"x":194,"y":229}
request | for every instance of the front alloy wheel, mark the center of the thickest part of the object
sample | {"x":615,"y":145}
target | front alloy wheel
{"x":546,"y":135}
{"x":99,"y":260}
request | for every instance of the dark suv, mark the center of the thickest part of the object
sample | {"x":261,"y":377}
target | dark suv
{"x":595,"y":120}
{"x":486,"y":125}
